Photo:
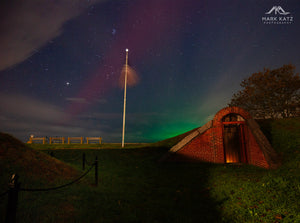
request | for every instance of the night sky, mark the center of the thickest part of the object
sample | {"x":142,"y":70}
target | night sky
{"x":60,"y":63}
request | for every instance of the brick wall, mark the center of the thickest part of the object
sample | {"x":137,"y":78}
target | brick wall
{"x":254,"y":153}
{"x":200,"y":148}
{"x":208,"y":146}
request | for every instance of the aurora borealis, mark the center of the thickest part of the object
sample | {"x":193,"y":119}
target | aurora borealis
{"x":61,"y":63}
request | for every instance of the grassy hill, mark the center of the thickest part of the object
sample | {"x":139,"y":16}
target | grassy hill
{"x":35,"y":170}
{"x":15,"y":156}
{"x":134,"y":187}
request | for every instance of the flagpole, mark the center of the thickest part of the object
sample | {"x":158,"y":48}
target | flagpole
{"x":125,"y":91}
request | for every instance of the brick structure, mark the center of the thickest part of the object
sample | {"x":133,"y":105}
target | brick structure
{"x":231,"y":137}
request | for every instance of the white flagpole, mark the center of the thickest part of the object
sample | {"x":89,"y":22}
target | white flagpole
{"x":125,"y":91}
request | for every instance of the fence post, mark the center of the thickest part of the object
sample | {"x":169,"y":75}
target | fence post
{"x":12,"y":203}
{"x":83,"y":161}
{"x":96,"y":171}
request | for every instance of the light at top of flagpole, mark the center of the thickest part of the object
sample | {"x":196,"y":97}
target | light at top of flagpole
{"x":126,"y":49}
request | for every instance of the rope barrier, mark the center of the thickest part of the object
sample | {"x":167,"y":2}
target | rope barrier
{"x":15,"y":187}
{"x":58,"y":187}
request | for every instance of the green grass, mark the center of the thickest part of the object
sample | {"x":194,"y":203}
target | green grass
{"x":134,"y":187}
{"x":86,"y":146}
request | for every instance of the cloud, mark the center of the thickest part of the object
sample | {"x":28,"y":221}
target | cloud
{"x":24,"y":128}
{"x":21,"y":107}
{"x":21,"y":116}
{"x":101,"y":101}
{"x":77,"y":100}
{"x":28,"y":25}
{"x":106,"y":116}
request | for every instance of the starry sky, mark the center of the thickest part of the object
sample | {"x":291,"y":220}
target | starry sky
{"x":61,"y":61}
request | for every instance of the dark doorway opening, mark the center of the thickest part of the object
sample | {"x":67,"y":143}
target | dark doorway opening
{"x":234,"y":139}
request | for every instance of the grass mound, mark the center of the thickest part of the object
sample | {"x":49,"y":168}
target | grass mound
{"x":16,"y":157}
{"x":36,"y":170}
{"x":284,"y":135}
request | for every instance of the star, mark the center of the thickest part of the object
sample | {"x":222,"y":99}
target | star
{"x":68,"y":83}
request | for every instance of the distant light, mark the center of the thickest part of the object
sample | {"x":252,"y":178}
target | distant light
{"x":126,"y":49}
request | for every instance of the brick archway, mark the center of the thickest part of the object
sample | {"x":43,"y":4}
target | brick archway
{"x":232,"y":152}
{"x":217,"y":121}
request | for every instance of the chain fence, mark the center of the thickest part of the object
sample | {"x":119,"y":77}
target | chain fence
{"x":15,"y":187}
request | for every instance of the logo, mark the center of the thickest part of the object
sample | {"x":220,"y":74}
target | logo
{"x":279,"y":10}
{"x":277,"y":16}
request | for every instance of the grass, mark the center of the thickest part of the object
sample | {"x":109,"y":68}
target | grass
{"x":86,"y":146}
{"x":134,"y":187}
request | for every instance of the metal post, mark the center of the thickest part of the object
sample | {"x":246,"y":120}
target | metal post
{"x":12,"y":203}
{"x":125,"y":91}
{"x":96,"y":171}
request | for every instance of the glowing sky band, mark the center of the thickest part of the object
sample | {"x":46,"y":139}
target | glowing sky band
{"x":125,"y":91}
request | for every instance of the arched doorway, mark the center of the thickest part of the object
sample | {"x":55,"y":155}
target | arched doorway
{"x":234,"y":138}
